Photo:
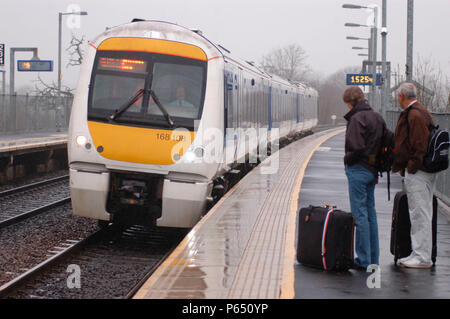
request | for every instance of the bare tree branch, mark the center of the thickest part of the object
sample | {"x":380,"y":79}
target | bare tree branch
{"x":50,"y":90}
{"x":75,"y":51}
{"x":433,"y":87}
{"x":288,"y":62}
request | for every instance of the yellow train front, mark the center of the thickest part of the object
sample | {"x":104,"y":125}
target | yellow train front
{"x":147,"y":95}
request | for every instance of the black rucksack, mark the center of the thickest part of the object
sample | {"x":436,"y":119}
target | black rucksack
{"x":436,"y":158}
{"x":385,"y":156}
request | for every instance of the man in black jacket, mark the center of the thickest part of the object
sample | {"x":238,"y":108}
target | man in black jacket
{"x":362,"y":143}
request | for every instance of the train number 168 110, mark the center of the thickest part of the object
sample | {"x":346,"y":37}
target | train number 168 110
{"x":170,"y":137}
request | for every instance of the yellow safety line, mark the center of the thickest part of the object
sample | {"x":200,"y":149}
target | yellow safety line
{"x":288,"y":277}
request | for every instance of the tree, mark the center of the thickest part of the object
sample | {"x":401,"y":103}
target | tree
{"x":433,"y":87}
{"x":330,"y":95}
{"x":51,"y":90}
{"x":75,"y":51}
{"x":288,"y":62}
{"x":433,"y":90}
{"x":43,"y":89}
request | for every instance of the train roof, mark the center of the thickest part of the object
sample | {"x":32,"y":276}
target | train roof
{"x":173,"y":32}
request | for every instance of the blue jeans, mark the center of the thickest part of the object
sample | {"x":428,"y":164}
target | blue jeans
{"x":361,"y":187}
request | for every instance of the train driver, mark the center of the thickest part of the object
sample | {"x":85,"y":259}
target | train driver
{"x":181,"y":98}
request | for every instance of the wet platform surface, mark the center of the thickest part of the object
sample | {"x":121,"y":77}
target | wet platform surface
{"x":325,"y":183}
{"x":238,"y":250}
{"x":245,"y":246}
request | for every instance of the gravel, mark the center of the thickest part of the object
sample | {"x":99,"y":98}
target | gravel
{"x":25,"y":244}
{"x":108,"y":268}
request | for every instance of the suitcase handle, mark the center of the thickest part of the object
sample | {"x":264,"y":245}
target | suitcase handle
{"x":327,"y":206}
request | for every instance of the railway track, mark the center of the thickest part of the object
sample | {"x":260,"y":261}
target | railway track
{"x":29,"y":200}
{"x":122,"y":258}
{"x":112,"y":263}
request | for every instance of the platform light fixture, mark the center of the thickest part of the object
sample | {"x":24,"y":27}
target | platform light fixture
{"x":354,"y":25}
{"x":373,"y":44}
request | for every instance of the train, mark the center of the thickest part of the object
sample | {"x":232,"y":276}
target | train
{"x":154,"y":100}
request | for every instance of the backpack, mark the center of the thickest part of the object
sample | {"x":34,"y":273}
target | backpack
{"x":385,"y":156}
{"x":436,"y":158}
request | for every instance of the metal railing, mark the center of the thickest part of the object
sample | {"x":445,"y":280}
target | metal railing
{"x":31,"y":114}
{"x":443,"y":179}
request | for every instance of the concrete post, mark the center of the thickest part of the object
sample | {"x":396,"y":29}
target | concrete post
{"x":410,"y":41}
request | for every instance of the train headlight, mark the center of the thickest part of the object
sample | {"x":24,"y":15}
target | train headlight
{"x":193,"y":155}
{"x":81,"y":140}
{"x":189,"y":156}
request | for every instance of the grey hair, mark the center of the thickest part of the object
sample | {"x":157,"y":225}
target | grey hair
{"x":408,"y":90}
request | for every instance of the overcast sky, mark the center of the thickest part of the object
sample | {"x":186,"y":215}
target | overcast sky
{"x":249,"y":28}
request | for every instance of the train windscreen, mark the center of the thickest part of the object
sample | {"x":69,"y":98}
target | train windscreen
{"x":143,"y":88}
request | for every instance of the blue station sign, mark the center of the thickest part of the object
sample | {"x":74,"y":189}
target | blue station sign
{"x":35,"y":65}
{"x":363,"y":79}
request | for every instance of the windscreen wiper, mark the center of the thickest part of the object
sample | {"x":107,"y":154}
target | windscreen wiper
{"x":162,"y":108}
{"x":127,"y":105}
{"x":133,"y":100}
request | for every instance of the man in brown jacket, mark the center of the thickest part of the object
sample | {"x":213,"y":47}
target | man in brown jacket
{"x":410,"y":148}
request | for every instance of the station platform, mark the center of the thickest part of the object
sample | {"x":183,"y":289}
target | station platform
{"x":24,"y":142}
{"x":245,"y":247}
{"x":24,"y":154}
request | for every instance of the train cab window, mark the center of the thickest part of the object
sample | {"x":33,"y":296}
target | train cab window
{"x":178,"y":84}
{"x":179,"y":88}
{"x":112,"y":89}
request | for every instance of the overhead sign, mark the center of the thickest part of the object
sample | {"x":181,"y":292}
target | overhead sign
{"x":2,"y":54}
{"x":362,"y":79}
{"x":35,"y":65}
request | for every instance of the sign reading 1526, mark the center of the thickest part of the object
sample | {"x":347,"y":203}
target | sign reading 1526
{"x":362,"y":79}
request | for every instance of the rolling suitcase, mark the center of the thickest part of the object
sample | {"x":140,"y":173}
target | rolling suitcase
{"x":401,"y":228}
{"x":325,"y":238}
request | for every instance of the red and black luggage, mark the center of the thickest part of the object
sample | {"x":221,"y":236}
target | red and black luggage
{"x":325,"y":238}
{"x":401,"y":228}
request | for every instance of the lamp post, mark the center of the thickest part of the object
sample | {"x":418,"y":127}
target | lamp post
{"x":373,"y":36}
{"x":386,"y":77}
{"x":409,"y":41}
{"x":369,"y":41}
{"x":60,"y":14}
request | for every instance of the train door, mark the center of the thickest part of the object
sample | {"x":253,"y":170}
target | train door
{"x":270,"y":108}
{"x":228,"y":101}
{"x":240,"y":109}
{"x":231,"y":114}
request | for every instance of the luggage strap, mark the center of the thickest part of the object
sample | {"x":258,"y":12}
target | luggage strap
{"x":324,"y":234}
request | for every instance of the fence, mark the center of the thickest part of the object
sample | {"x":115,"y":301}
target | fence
{"x":443,"y":180}
{"x":30,"y":114}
